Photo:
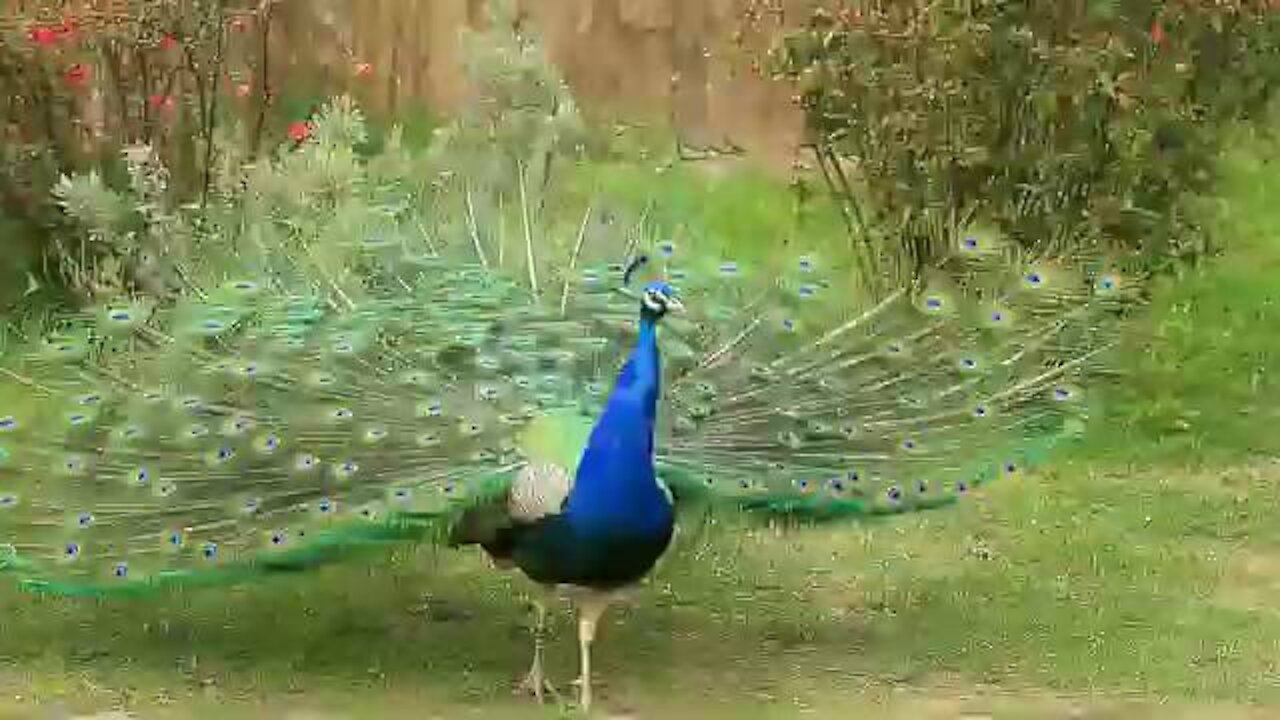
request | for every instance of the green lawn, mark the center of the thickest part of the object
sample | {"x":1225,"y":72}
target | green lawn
{"x":1102,"y":586}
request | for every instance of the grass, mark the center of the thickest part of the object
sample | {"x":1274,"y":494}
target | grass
{"x":1201,"y":385}
{"x":1074,"y":583}
{"x":1135,"y":578}
{"x":739,"y":210}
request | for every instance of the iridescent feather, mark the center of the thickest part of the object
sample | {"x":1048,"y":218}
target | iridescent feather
{"x":258,"y":426}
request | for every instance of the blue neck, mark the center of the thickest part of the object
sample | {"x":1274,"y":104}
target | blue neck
{"x":615,"y":489}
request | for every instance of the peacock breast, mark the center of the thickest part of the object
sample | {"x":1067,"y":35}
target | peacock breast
{"x":561,"y":551}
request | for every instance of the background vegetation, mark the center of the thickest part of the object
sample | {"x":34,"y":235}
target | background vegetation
{"x":1073,"y":123}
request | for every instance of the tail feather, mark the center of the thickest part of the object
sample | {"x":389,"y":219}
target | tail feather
{"x":788,"y":392}
{"x":973,"y":374}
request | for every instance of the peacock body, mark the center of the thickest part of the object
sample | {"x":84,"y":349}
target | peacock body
{"x":461,"y":392}
{"x":607,"y":526}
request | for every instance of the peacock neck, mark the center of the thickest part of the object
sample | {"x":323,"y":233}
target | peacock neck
{"x":615,"y":489}
{"x":642,"y":373}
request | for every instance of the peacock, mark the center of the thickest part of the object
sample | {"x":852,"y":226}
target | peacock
{"x":556,"y":401}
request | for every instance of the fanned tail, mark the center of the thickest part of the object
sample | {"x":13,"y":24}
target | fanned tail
{"x":802,"y":405}
{"x":335,"y":384}
{"x":245,"y":433}
{"x":788,"y":393}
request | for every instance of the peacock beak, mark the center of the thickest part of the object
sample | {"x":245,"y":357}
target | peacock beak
{"x":674,"y":305}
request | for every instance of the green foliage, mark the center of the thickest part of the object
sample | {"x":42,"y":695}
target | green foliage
{"x":1072,"y":124}
{"x":117,"y":241}
{"x":1200,"y":384}
{"x":308,"y":199}
{"x":84,"y":90}
{"x":499,"y":158}
{"x":303,"y":211}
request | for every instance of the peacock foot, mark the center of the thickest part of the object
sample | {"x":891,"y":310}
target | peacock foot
{"x":538,"y":686}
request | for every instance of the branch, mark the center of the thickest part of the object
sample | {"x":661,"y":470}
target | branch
{"x":267,"y":12}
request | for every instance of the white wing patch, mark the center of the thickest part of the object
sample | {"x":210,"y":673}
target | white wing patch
{"x":539,"y":490}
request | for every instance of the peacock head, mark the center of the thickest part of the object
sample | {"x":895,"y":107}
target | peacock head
{"x":658,"y":299}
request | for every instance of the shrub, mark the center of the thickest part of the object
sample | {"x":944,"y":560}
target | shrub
{"x":84,"y":90}
{"x":1067,"y":124}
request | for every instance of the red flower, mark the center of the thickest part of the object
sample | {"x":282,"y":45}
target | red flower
{"x":168,"y":42}
{"x":77,"y":74}
{"x":43,"y":36}
{"x":49,"y":35}
{"x":1157,"y":33}
{"x":162,"y":102}
{"x":299,"y":131}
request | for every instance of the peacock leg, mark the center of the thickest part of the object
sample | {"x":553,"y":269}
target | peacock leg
{"x":590,"y":608}
{"x":536,"y":682}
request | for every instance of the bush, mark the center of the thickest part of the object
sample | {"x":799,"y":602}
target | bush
{"x":167,"y":81}
{"x":306,"y":209}
{"x":1067,"y":124}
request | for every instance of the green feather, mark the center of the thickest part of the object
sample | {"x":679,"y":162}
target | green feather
{"x":288,"y":416}
{"x":557,"y":438}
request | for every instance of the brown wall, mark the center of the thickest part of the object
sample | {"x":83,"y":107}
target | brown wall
{"x":620,"y":56}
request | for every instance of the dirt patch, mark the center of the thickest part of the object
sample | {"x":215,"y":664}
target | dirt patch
{"x":1251,"y":581}
{"x":886,"y":703}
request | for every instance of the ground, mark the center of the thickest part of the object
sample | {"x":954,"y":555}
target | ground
{"x":1080,"y":592}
